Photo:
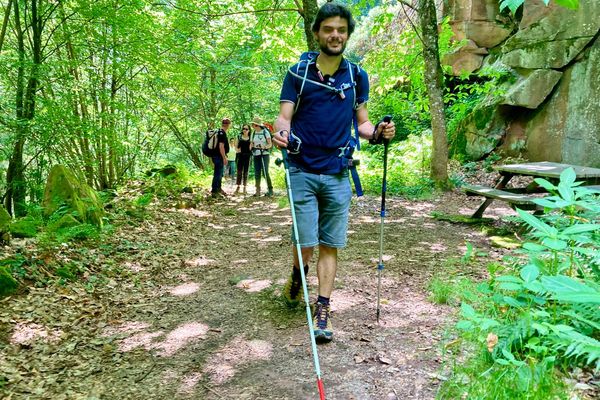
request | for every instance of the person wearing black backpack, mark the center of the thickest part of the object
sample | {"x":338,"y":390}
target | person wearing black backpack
{"x":219,"y":159}
{"x":322,"y":97}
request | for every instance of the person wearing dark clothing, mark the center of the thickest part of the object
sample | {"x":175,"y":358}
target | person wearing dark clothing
{"x":220,"y":159}
{"x":244,"y":154}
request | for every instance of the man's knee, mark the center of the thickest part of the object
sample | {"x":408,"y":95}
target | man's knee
{"x":327,"y":250}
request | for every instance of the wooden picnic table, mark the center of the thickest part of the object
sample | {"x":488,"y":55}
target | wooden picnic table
{"x":521,"y":196}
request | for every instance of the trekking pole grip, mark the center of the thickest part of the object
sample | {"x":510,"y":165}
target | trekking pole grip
{"x":387,"y":119}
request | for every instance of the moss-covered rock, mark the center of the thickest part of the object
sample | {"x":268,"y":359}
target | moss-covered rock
{"x":8,"y":284}
{"x":66,"y":193}
{"x":5,"y":220}
{"x":24,"y":228}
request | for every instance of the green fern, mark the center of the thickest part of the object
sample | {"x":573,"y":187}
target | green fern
{"x":569,"y":290}
{"x":579,"y":346}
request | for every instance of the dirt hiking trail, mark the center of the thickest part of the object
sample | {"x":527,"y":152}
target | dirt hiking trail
{"x":193,"y":310}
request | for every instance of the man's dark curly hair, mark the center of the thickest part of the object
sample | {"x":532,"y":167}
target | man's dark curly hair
{"x":329,"y":10}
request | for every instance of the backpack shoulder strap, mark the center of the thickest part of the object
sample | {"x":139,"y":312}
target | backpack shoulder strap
{"x":354,"y":72}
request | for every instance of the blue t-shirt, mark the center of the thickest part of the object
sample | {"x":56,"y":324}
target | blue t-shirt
{"x":323,"y":120}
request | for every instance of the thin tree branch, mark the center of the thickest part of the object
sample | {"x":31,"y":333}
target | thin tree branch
{"x":402,"y":3}
{"x":266,"y":10}
{"x":409,"y":5}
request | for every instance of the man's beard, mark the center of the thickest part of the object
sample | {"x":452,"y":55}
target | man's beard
{"x":329,"y":52}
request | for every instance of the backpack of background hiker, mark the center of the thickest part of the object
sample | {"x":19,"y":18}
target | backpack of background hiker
{"x":211,"y":143}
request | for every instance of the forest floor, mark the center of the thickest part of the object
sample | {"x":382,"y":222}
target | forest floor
{"x":192,"y":306}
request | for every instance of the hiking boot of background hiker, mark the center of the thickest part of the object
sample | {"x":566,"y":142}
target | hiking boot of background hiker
{"x":292,"y":290}
{"x":322,"y":323}
{"x":244,"y":192}
{"x":237,"y":190}
{"x":269,"y":193}
{"x":257,"y":192}
{"x":223,"y":193}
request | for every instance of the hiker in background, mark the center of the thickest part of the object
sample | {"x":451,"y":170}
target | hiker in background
{"x":220,"y":159}
{"x":244,"y":153}
{"x":334,"y":97}
{"x":260,"y":146}
{"x":231,"y":160}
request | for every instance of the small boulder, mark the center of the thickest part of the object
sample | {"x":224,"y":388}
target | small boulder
{"x":5,"y":220}
{"x":63,"y":189}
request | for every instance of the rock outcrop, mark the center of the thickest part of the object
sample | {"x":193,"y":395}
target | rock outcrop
{"x":550,"y":110}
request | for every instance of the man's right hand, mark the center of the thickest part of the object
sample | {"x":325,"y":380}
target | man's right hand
{"x":280,"y":138}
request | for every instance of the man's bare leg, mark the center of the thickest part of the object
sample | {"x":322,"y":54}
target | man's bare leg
{"x":326,"y":269}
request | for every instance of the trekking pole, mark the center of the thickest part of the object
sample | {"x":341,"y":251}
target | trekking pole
{"x":313,"y":342}
{"x":386,"y":142}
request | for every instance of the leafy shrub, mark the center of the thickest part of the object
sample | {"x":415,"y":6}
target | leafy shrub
{"x":542,"y":310}
{"x":77,"y":233}
{"x":408,"y":167}
{"x":440,"y":291}
{"x":68,"y":271}
{"x":8,"y":284}
{"x":24,"y":228}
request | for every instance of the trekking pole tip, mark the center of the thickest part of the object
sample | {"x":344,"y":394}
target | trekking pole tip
{"x":321,"y":389}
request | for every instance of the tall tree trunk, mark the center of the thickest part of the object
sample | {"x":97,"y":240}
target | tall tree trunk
{"x":5,"y":23}
{"x":308,"y":13}
{"x":25,"y":100}
{"x":79,"y":107}
{"x":14,"y":198}
{"x":434,"y":83}
{"x":112,"y":126}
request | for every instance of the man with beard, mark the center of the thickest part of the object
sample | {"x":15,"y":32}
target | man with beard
{"x":320,"y":99}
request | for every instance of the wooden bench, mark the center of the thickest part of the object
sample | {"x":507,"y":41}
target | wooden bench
{"x":521,"y":200}
{"x":593,"y":187}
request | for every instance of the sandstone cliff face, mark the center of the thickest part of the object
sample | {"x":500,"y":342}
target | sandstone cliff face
{"x":551,"y":109}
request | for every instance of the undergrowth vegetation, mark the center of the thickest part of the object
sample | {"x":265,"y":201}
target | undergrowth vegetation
{"x":56,"y":244}
{"x":536,"y":318}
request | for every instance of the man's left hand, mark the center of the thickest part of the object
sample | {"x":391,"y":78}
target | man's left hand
{"x":280,"y":139}
{"x":387,"y":129}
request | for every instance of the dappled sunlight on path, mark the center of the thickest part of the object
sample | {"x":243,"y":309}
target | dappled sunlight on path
{"x":252,"y":285}
{"x":198,"y":313}
{"x":199,"y":262}
{"x":27,"y":333}
{"x":185,"y":289}
{"x":222,"y":365}
{"x":174,"y":341}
